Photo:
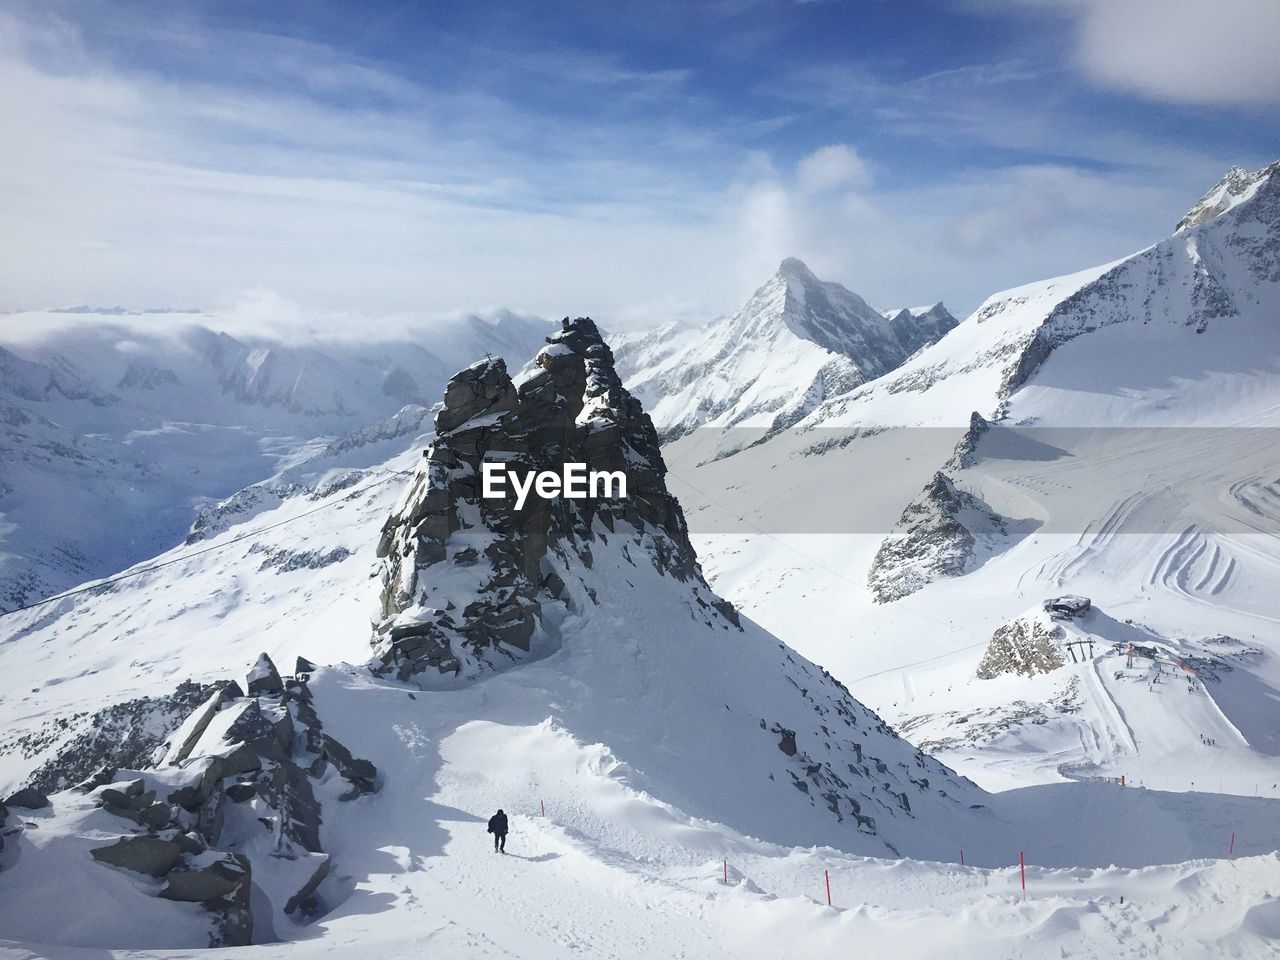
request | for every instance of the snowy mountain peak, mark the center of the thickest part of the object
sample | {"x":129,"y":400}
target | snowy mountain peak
{"x":796,"y":342}
{"x":512,"y":565}
{"x":1235,"y":187}
{"x":793,"y":268}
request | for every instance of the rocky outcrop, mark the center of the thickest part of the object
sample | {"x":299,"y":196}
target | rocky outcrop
{"x":938,"y":535}
{"x":150,"y":855}
{"x":572,"y":409}
{"x":28,"y":798}
{"x":260,"y":751}
{"x":123,"y":735}
{"x":1028,"y":645}
{"x":966,"y":452}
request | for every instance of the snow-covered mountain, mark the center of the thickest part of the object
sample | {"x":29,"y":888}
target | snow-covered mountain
{"x":1041,"y":546}
{"x":1110,"y":434}
{"x":569,"y":664}
{"x":796,"y":342}
{"x":116,"y":431}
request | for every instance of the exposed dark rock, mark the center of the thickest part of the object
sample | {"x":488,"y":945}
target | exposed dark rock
{"x":197,"y":886}
{"x":289,"y":791}
{"x":308,"y":889}
{"x":573,"y":409}
{"x":234,"y":927}
{"x":211,"y":814}
{"x":268,"y":733}
{"x":788,"y":742}
{"x":28,"y":798}
{"x":149,"y":855}
{"x":361,"y":774}
{"x":264,"y":678}
{"x":966,"y":449}
{"x":121,"y":736}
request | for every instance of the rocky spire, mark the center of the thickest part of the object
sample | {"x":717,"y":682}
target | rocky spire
{"x":465,"y":577}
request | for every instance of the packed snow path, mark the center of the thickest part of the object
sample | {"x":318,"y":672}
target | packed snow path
{"x":612,"y":872}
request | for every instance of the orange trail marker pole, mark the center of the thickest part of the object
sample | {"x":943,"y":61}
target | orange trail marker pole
{"x":962,"y":857}
{"x":826,"y":875}
{"x":543,"y":803}
{"x":1231,"y":847}
{"x":1022,"y":867}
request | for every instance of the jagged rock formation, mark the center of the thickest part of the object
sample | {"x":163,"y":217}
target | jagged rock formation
{"x":916,"y":329}
{"x":573,"y":409}
{"x":938,"y":535}
{"x":238,"y":762}
{"x":966,"y":452}
{"x":1027,"y":645}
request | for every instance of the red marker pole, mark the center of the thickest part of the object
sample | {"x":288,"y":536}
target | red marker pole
{"x":543,"y":804}
{"x":962,"y":856}
{"x":1022,"y":867}
{"x":726,"y":871}
{"x":826,"y":875}
{"x":1231,"y":846}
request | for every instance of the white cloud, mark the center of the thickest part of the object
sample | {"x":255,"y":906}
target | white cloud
{"x":1216,"y":52}
{"x":837,"y":165}
{"x":1190,"y":51}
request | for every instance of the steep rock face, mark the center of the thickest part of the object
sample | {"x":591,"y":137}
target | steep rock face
{"x":938,"y":535}
{"x":916,"y":329}
{"x":572,"y":409}
{"x":798,"y":342}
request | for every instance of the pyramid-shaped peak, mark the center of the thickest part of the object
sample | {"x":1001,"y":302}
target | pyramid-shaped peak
{"x":793,"y":268}
{"x":1236,"y":186}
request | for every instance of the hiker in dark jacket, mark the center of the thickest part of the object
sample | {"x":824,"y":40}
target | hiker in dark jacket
{"x":498,"y":827}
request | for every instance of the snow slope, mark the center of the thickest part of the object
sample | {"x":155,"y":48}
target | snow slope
{"x":117,"y":429}
{"x":668,"y":748}
{"x":1132,"y":451}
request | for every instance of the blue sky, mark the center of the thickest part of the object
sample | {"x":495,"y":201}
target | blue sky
{"x":636,"y":161}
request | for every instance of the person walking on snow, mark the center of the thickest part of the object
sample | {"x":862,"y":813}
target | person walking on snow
{"x":498,"y":827}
